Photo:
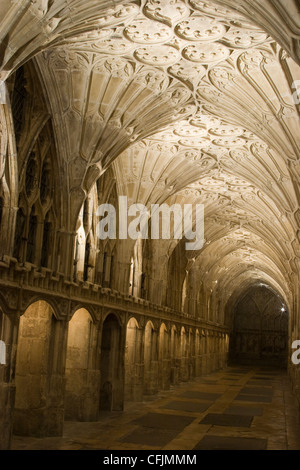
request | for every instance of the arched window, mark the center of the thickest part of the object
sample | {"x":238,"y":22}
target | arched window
{"x":104,"y":268}
{"x":87,"y":259}
{"x":45,"y":186}
{"x":143,"y":286}
{"x":20,"y":225}
{"x":30,"y":177}
{"x":46,"y":241}
{"x":32,"y":228}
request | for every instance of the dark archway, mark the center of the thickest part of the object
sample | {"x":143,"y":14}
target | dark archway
{"x":112,"y":366}
{"x":259,"y":328}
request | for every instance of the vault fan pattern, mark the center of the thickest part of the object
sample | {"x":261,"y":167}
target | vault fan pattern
{"x":161,"y":101}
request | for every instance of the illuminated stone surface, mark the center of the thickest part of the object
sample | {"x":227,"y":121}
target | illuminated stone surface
{"x":175,"y":102}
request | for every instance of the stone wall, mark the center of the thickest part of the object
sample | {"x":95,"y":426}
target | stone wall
{"x":39,"y":388}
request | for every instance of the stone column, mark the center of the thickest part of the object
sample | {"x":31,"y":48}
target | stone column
{"x":57,"y":379}
{"x":134,"y":372}
{"x":7,"y":232}
{"x":164,"y":364}
{"x":8,"y":336}
{"x":198,"y":371}
{"x":150,"y":360}
{"x":174,"y":348}
{"x":184,"y":357}
{"x":192,"y":355}
{"x":204,"y":341}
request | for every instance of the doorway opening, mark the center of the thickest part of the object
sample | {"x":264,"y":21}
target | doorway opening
{"x":112,"y":366}
{"x":259,"y":329}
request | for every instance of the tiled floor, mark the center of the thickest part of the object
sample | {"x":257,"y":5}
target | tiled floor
{"x":237,"y":408}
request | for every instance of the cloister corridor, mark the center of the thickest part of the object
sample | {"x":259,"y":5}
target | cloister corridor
{"x":149,"y":225}
{"x":238,"y":408}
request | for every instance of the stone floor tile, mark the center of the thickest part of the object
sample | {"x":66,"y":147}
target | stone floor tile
{"x":190,"y":406}
{"x":219,"y":419}
{"x":230,"y":443}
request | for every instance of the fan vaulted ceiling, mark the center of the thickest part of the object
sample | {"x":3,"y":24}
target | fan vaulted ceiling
{"x":187,"y":101}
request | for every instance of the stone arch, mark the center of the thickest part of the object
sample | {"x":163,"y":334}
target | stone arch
{"x":80,"y":305}
{"x":39,"y":390}
{"x":45,"y":299}
{"x":82,"y":377}
{"x":112,"y":364}
{"x":114,"y":314}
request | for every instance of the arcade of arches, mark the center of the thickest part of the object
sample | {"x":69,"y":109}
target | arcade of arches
{"x":176,"y":102}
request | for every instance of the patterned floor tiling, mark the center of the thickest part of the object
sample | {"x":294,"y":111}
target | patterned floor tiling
{"x":174,"y":417}
{"x":220,"y":419}
{"x":191,"y":406}
{"x":260,"y":383}
{"x":261,"y":377}
{"x":210,"y":382}
{"x":150,"y":436}
{"x":257,"y":391}
{"x":268,"y":372}
{"x":164,"y":421}
{"x":254,"y":398}
{"x":244,"y":410}
{"x":230,"y":443}
{"x":232,"y":374}
{"x":200,"y":395}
